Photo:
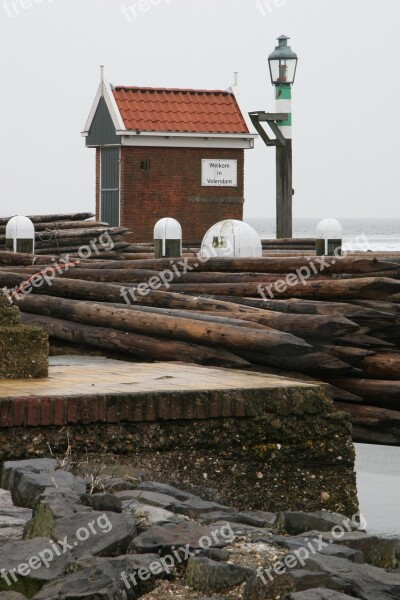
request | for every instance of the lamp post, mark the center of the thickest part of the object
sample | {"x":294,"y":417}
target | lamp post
{"x":282,"y":66}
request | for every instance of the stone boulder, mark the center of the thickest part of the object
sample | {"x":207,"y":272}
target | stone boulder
{"x":96,"y":533}
{"x":53,"y":504}
{"x":126,"y":577}
{"x":185,"y":535}
{"x":27,"y":479}
{"x":29,"y":564}
{"x":206,"y":575}
{"x":296,"y":522}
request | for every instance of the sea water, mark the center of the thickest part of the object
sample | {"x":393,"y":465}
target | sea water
{"x":378,"y":483}
{"x":376,"y":234}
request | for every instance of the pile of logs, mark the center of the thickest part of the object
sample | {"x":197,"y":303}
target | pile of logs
{"x":340,"y":326}
{"x":68,"y":233}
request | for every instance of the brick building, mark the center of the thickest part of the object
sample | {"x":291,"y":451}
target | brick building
{"x":167,"y":153}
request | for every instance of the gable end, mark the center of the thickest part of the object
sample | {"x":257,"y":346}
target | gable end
{"x":102,"y":130}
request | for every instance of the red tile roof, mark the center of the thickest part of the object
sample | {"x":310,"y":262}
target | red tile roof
{"x":175,"y":110}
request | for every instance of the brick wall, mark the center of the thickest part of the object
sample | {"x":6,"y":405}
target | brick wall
{"x":172,"y":188}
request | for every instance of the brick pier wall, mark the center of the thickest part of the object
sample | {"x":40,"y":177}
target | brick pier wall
{"x":275,"y":448}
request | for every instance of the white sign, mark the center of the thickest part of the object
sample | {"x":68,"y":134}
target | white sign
{"x":217,"y":172}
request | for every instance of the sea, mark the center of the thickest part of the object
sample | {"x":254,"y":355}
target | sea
{"x":378,"y":484}
{"x":358,"y":234}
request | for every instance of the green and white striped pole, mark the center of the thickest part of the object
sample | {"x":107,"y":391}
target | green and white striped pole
{"x":283,"y":64}
{"x":283,"y":104}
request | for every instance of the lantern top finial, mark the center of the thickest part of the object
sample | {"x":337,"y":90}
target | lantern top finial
{"x":282,"y":50}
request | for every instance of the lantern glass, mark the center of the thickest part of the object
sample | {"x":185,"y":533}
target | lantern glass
{"x":283,"y":70}
{"x":282,"y":63}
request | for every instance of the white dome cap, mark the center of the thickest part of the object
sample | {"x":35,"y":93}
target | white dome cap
{"x":167,"y":229}
{"x":329,"y":229}
{"x":232,"y":238}
{"x":20,"y":228}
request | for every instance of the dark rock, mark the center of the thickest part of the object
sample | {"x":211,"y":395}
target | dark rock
{"x":194,"y":508}
{"x":319,"y":594}
{"x":206,"y":575}
{"x":216,"y":554}
{"x":364,"y":581}
{"x":147,"y":516}
{"x":116,"y":484}
{"x":293,"y":543}
{"x":26,"y":479}
{"x":380,"y":552}
{"x":107,"y":579}
{"x":168,"y":490}
{"x":95,"y":533}
{"x":295,"y":523}
{"x":251,"y":519}
{"x":240,"y":530}
{"x":11,"y":596}
{"x":185,"y":535}
{"x":49,"y":506}
{"x":36,"y":562}
{"x":152,"y":498}
{"x":262,"y":587}
{"x":101,"y":502}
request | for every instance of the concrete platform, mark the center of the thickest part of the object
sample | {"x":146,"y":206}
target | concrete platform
{"x":243,"y":435}
{"x":97,"y":390}
{"x":78,"y":375}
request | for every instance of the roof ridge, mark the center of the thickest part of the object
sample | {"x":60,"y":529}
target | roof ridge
{"x":170,"y":90}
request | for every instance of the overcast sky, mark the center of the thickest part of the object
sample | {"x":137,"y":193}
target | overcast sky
{"x":346,"y":96}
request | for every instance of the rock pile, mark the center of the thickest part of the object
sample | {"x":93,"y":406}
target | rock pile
{"x":140,"y":539}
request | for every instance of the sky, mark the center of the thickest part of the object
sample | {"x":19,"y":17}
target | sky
{"x":345,"y":97}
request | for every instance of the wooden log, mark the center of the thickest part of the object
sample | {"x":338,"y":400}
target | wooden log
{"x":60,"y":348}
{"x":352,"y":355}
{"x":305,"y":326}
{"x":309,"y":307}
{"x":288,"y":242}
{"x":227,"y":336}
{"x":389,"y":334}
{"x":378,"y":324}
{"x":378,"y":392}
{"x":20,"y":258}
{"x":298,"y":325}
{"x":361,"y":340}
{"x":281,"y":264}
{"x":379,"y":305}
{"x":373,"y":425}
{"x":336,"y":393}
{"x":99,"y":275}
{"x":315,"y":363}
{"x":276,"y":264}
{"x":46,"y":218}
{"x":60,"y":225}
{"x":77,"y":245}
{"x":142,"y":347}
{"x":210,"y":317}
{"x":107,"y":292}
{"x":370,"y":287}
{"x":382,"y":365}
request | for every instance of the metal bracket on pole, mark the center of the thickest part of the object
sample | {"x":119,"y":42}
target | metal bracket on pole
{"x":258,"y":117}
